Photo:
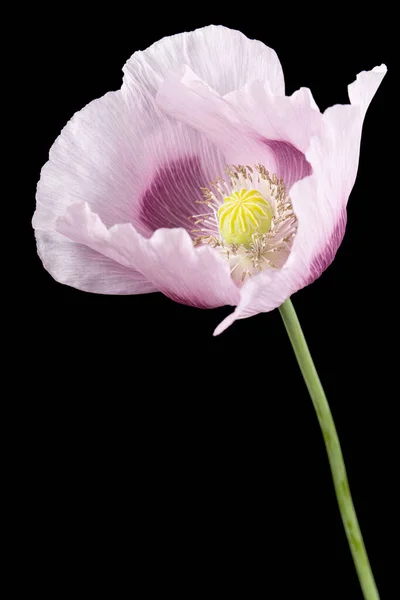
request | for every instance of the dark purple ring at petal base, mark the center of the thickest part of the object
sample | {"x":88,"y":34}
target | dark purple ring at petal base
{"x":291,"y":163}
{"x":173,"y":195}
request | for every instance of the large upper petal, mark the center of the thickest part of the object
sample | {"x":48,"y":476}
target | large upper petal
{"x":224,"y":58}
{"x":319,"y":202}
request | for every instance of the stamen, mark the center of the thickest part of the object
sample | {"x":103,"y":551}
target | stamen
{"x":250,"y":220}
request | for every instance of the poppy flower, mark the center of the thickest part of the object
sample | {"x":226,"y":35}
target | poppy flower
{"x":199,"y":178}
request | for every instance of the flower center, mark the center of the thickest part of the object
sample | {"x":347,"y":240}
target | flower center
{"x":244,"y":213}
{"x":248,"y":219}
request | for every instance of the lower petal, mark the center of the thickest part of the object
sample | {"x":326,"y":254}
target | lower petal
{"x":85,"y":269}
{"x":265,"y":291}
{"x":194,"y":276}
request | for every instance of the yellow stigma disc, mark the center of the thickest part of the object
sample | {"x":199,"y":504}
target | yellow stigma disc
{"x":242,"y":214}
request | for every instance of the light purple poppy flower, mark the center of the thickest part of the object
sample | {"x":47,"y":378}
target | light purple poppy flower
{"x":199,"y":178}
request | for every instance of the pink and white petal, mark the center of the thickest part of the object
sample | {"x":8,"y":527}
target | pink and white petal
{"x":250,"y":125}
{"x":83,"y":268}
{"x":89,"y":161}
{"x":110,"y":151}
{"x":265,"y":291}
{"x":130,"y":162}
{"x":92,"y":160}
{"x":120,"y":158}
{"x":188,"y":99}
{"x":130,"y":166}
{"x":340,"y":148}
{"x":195,"y":276}
{"x":294,"y":118}
{"x":177,"y":163}
{"x":363,"y":89}
{"x":224,"y":58}
{"x":285,"y":124}
{"x":319,"y":201}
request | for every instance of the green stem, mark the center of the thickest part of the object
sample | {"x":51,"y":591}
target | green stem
{"x":334,"y":451}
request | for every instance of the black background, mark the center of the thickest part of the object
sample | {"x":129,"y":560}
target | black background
{"x":163,"y":457}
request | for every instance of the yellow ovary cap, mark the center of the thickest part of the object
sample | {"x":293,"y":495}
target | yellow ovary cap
{"x":243,"y":214}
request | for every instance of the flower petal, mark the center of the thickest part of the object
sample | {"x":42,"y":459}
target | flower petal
{"x":83,"y":268}
{"x":285,"y":124}
{"x":363,"y":89}
{"x":195,"y":276}
{"x":91,"y":160}
{"x":249,"y":125}
{"x":131,"y":164}
{"x":190,"y":100}
{"x":179,"y":162}
{"x":264,"y":292}
{"x":224,"y":58}
{"x":292,"y":118}
{"x":319,"y":202}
